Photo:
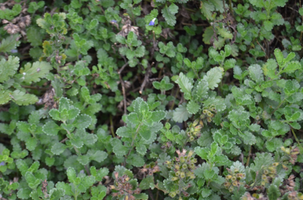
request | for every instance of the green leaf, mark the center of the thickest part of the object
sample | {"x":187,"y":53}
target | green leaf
{"x":268,"y":25}
{"x":193,"y":107}
{"x":31,"y":143}
{"x":181,"y":114}
{"x":21,"y":98}
{"x":206,"y":9}
{"x":97,"y":155}
{"x":145,"y":132}
{"x":141,"y":149}
{"x":279,"y":56}
{"x":169,"y":17}
{"x":83,"y":159}
{"x":10,"y":43}
{"x":140,"y":51}
{"x":292,"y":66}
{"x":273,"y":192}
{"x":34,"y":73}
{"x":92,"y":24}
{"x":99,"y":174}
{"x":206,"y":192}
{"x":225,"y":33}
{"x":185,"y":85}
{"x":135,"y":160}
{"x":54,"y":114}
{"x":4,"y":96}
{"x":8,"y":68}
{"x":118,"y":148}
{"x":24,"y":193}
{"x":262,"y":160}
{"x":173,"y":8}
{"x":201,"y":90}
{"x":58,"y":148}
{"x":146,"y":182}
{"x":82,"y":121}
{"x":50,"y":128}
{"x":213,"y":77}
{"x":34,"y":35}
{"x":71,"y":174}
{"x":256,"y":73}
{"x":270,"y":67}
{"x":273,"y":144}
{"x":56,"y":193}
{"x":32,"y":181}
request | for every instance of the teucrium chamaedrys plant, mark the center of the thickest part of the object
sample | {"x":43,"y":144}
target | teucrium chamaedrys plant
{"x":151,"y":100}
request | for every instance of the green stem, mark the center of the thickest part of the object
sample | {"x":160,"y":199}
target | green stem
{"x":132,"y":144}
{"x":292,"y":130}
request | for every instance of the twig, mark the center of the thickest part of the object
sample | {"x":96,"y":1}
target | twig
{"x":123,"y":87}
{"x":111,"y":125}
{"x":145,"y":78}
{"x":124,"y":95}
{"x":122,"y":68}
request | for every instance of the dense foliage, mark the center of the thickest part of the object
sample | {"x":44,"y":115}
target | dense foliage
{"x":151,"y":99}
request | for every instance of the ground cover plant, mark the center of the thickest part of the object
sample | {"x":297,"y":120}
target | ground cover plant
{"x":151,"y":99}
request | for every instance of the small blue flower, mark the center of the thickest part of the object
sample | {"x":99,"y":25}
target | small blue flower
{"x":113,"y":21}
{"x":152,"y":22}
{"x":2,"y":163}
{"x":14,"y":51}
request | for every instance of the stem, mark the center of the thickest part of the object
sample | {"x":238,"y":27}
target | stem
{"x":293,"y":132}
{"x":132,"y":144}
{"x":249,"y":154}
{"x":77,"y":151}
{"x":111,"y":125}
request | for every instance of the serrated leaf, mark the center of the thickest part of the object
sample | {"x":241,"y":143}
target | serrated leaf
{"x":51,"y":128}
{"x":83,"y":159}
{"x":135,"y":160}
{"x":146,"y":182}
{"x":118,"y":148}
{"x":292,"y":66}
{"x":21,"y":98}
{"x":9,"y":43}
{"x":262,"y":160}
{"x":8,"y":68}
{"x":145,"y":132}
{"x":273,"y":144}
{"x":213,"y":77}
{"x":156,"y":116}
{"x":206,"y":9}
{"x":201,"y":90}
{"x":256,"y":73}
{"x":185,"y":85}
{"x":141,"y":149}
{"x":56,"y":193}
{"x":192,"y":107}
{"x":34,"y":73}
{"x":63,"y":104}
{"x":58,"y":148}
{"x":169,"y":17}
{"x":4,"y":96}
{"x":273,"y":192}
{"x":173,"y":8}
{"x":32,"y":181}
{"x":31,"y":143}
{"x":98,"y":155}
{"x":34,"y":35}
{"x":140,"y":51}
{"x":270,"y":67}
{"x":181,"y":114}
{"x":82,"y":121}
{"x":54,"y":114}
{"x":71,"y":174}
